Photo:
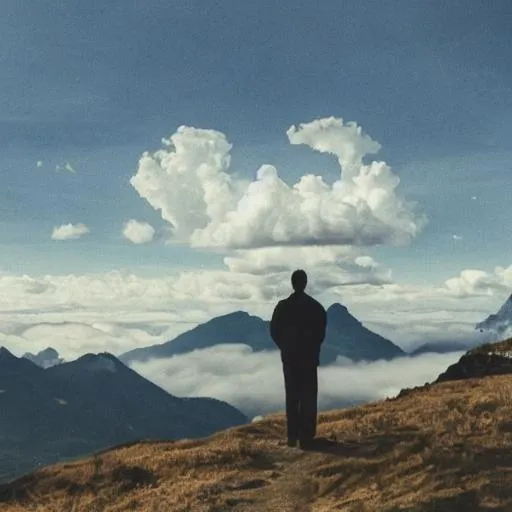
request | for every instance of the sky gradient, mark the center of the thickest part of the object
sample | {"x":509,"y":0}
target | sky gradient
{"x":164,"y":162}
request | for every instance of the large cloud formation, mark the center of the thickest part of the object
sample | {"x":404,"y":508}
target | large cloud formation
{"x":189,"y":182}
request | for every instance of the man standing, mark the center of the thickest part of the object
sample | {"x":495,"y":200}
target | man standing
{"x":298,"y":329}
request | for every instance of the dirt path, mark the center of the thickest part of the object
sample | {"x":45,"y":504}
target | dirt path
{"x":300,"y":480}
{"x":292,"y":487}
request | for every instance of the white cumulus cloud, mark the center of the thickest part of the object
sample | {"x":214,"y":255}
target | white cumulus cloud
{"x":479,"y":282}
{"x":190,"y":183}
{"x":68,"y":167}
{"x":69,"y":231}
{"x":138,"y":232}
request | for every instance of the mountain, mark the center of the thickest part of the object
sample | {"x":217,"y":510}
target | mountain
{"x":444,"y":447}
{"x":498,"y":324}
{"x":12,"y":366}
{"x":345,"y":336}
{"x":94,"y":402}
{"x":46,"y":358}
{"x":443,"y":347}
{"x":236,"y":327}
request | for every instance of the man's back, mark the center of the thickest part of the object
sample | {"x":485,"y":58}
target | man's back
{"x":298,"y":328}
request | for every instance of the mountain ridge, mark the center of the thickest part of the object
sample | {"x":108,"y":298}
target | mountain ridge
{"x":96,"y":401}
{"x":345,"y":336}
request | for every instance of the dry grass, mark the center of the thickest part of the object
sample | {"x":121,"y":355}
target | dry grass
{"x":443,"y":448}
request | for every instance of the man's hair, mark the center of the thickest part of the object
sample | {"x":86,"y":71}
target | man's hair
{"x":299,"y":280}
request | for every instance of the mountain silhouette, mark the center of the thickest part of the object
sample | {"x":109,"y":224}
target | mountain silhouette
{"x":45,"y":358}
{"x":443,"y":347}
{"x":345,"y":336}
{"x":499,"y":323}
{"x":91,"y":403}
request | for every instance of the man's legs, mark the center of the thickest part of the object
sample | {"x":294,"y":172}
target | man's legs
{"x":292,"y":389}
{"x":308,"y":404}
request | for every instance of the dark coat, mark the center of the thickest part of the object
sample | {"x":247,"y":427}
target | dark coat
{"x":298,"y":329}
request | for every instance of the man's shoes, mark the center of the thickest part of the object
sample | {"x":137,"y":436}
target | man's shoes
{"x":306,"y":444}
{"x":292,"y":443}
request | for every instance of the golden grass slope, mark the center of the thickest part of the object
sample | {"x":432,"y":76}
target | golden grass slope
{"x":446,"y":448}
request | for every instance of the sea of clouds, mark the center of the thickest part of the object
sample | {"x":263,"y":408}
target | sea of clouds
{"x":253,"y":382}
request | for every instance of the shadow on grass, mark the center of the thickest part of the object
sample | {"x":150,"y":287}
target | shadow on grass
{"x":465,"y":501}
{"x":376,"y":445}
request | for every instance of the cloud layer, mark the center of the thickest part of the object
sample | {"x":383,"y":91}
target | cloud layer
{"x":253,"y":382}
{"x":69,"y":231}
{"x":189,"y":182}
{"x":119,"y":311}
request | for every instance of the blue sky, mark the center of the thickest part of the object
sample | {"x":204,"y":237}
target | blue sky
{"x":97,"y":84}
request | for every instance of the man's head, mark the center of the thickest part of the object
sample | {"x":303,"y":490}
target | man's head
{"x":299,"y":280}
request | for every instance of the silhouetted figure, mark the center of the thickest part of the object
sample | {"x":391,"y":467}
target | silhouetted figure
{"x":298,"y":329}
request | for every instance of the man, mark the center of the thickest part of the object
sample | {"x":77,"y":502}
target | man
{"x":298,"y":329}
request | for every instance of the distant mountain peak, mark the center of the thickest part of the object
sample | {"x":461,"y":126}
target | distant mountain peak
{"x":345,"y":336}
{"x":339,"y":313}
{"x":498,"y":324}
{"x":234,"y":314}
{"x":50,"y":351}
{"x":46,"y":358}
{"x":506,"y":308}
{"x":10,"y":362}
{"x":5,"y":354}
{"x":102,"y":362}
{"x":337,"y":308}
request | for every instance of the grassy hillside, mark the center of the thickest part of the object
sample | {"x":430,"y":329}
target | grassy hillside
{"x":445,"y":447}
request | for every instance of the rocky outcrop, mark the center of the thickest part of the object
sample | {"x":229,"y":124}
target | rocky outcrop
{"x":484,"y":361}
{"x":489,"y":359}
{"x":472,"y":366}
